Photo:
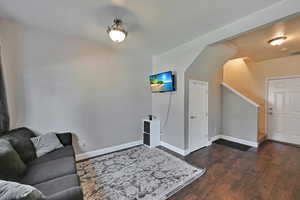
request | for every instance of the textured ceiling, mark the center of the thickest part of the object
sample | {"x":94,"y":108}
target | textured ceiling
{"x":153,"y":25}
{"x":255,"y":44}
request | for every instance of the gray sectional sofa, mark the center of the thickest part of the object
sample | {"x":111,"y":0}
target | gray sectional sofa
{"x":54,"y":174}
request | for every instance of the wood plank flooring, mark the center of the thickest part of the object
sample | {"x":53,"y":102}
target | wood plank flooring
{"x":271,"y":172}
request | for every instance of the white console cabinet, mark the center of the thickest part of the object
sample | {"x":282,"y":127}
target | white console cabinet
{"x":151,"y":132}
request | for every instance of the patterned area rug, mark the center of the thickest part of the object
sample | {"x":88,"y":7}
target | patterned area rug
{"x":139,"y":173}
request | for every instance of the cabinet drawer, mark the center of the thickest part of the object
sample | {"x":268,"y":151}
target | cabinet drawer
{"x":147,"y":139}
{"x":146,"y":127}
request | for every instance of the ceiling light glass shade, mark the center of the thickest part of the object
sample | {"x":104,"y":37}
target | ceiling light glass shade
{"x":117,"y":35}
{"x":277,"y":41}
{"x":116,"y":32}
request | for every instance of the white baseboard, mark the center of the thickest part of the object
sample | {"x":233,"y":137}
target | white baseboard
{"x":214,"y":138}
{"x":99,"y":152}
{"x":285,"y":138}
{"x":175,"y":149}
{"x":180,"y":151}
{"x":233,"y":139}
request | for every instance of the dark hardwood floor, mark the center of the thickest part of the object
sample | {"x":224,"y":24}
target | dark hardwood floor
{"x":271,"y":172}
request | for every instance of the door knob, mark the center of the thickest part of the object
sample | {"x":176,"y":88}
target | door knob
{"x":193,"y":117}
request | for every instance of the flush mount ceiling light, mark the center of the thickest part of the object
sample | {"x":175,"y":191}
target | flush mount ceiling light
{"x":277,"y":41}
{"x":116,"y":32}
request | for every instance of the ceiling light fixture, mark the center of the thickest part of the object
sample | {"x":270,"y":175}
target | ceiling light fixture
{"x":116,"y":32}
{"x":277,"y":41}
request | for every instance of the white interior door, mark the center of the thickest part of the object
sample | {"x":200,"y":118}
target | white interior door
{"x":283,"y":111}
{"x":198,"y":115}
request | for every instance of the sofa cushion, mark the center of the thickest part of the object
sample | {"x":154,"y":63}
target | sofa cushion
{"x":59,"y":153}
{"x":16,"y":191}
{"x":58,"y":184}
{"x":20,"y":140}
{"x":46,"y":171}
{"x":11,"y":165}
{"x":74,"y":193}
{"x":46,"y":143}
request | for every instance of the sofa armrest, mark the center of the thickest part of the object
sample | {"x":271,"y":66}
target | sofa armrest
{"x":65,"y":138}
{"x":74,"y":193}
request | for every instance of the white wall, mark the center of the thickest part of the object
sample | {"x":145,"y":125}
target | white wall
{"x":239,"y":117}
{"x":181,"y":57}
{"x":174,"y":129}
{"x":100,"y":93}
{"x":66,"y":83}
{"x":208,"y":67}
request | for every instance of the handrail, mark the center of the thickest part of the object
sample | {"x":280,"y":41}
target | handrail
{"x":240,"y":95}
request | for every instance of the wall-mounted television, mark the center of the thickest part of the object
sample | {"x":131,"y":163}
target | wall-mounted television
{"x":163,"y":82}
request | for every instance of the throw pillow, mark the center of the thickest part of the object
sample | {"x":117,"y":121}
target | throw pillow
{"x":20,"y":140}
{"x":16,"y":191}
{"x":46,"y":143}
{"x":65,"y":138}
{"x":11,"y":167}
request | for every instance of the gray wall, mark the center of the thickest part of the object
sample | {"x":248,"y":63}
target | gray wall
{"x":239,"y":117}
{"x":208,"y":67}
{"x":64,"y":83}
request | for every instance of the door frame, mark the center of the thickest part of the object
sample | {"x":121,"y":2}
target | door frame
{"x":189,"y":135}
{"x":267,"y":80}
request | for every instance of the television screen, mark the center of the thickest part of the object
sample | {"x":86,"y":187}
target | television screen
{"x":163,"y":82}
